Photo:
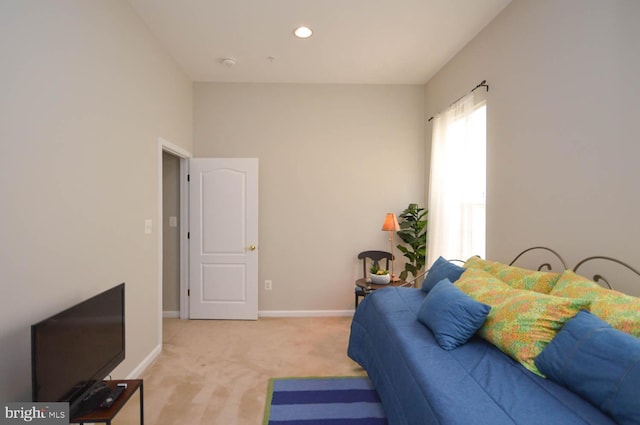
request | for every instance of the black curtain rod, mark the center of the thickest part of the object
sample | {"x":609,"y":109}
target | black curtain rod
{"x":483,"y":83}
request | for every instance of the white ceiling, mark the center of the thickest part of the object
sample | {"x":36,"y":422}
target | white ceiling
{"x":354,"y":41}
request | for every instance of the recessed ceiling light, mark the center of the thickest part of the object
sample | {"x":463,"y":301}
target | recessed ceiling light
{"x":303,"y":32}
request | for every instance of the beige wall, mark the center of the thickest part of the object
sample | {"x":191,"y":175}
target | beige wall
{"x":333,"y":160}
{"x":562,"y":130}
{"x":86,"y":92}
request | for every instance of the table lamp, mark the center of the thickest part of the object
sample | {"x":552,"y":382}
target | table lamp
{"x":391,"y":225}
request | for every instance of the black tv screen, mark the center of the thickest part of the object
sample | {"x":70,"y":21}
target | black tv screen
{"x":73,"y":351}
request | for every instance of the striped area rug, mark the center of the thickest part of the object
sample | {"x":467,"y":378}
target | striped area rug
{"x":323,"y":401}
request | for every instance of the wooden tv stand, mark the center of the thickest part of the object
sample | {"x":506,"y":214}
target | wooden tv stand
{"x":101,"y":415}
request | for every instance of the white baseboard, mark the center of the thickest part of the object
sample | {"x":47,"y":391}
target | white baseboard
{"x":282,"y":313}
{"x":135,"y":373}
{"x":305,"y":313}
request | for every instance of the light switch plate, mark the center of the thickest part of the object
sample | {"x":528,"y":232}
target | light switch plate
{"x":173,"y":221}
{"x":147,"y":226}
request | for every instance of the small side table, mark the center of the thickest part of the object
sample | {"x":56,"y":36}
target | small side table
{"x":368,"y":287}
{"x":106,"y":415}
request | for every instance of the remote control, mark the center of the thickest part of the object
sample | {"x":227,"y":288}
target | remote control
{"x":112,"y":397}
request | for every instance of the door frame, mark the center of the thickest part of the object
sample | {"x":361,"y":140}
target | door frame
{"x":183,"y":155}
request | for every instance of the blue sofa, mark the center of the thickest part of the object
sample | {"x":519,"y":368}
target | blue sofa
{"x":474,"y":384}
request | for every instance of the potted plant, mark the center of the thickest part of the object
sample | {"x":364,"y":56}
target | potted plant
{"x":413,"y":232}
{"x":379,"y":276}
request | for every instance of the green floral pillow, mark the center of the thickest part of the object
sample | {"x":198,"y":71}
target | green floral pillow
{"x":479,"y":283}
{"x":516,"y":277}
{"x":621,"y":311}
{"x":521,"y":323}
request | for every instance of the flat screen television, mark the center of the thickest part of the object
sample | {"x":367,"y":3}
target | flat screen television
{"x":74,"y":350}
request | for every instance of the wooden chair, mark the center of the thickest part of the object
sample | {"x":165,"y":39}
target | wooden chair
{"x":375,"y":257}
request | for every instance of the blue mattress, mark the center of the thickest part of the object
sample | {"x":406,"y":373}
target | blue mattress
{"x":474,"y":384}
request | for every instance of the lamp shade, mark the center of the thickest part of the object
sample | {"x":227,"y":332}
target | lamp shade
{"x":390,"y":223}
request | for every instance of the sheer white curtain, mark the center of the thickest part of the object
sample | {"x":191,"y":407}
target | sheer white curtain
{"x":457,"y":183}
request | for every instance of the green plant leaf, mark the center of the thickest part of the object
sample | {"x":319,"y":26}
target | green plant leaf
{"x":414,"y":235}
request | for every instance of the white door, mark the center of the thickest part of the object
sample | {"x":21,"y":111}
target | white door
{"x":223,"y":225}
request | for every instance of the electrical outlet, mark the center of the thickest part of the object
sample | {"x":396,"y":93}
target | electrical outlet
{"x":268,"y":285}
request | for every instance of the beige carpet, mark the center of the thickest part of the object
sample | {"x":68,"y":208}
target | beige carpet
{"x":216,"y":372}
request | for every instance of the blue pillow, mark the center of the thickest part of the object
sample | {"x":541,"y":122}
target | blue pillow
{"x":452,"y":315}
{"x":441,"y":269}
{"x":597,"y":362}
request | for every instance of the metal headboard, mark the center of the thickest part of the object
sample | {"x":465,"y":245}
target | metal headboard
{"x":543,"y":265}
{"x":598,"y":277}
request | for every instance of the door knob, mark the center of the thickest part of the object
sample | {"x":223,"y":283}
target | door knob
{"x":252,"y":248}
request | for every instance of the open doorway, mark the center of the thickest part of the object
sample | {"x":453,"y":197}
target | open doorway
{"x":223,"y":182}
{"x":171,"y":219}
{"x":178,"y":250}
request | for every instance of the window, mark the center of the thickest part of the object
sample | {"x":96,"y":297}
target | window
{"x":457,"y":183}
